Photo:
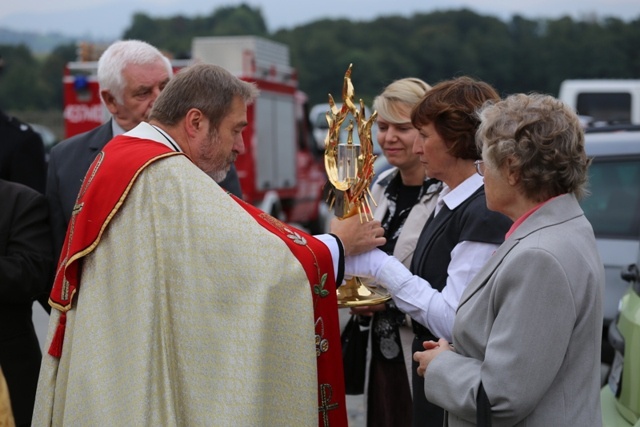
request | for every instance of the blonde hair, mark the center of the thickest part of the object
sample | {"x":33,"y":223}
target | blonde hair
{"x":395,"y":102}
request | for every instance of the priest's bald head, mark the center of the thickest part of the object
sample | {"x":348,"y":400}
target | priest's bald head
{"x":204,"y":109}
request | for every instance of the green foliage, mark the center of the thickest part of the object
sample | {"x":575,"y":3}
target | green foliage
{"x":235,"y":21}
{"x":519,"y":55}
{"x":20,"y":85}
{"x":174,"y":34}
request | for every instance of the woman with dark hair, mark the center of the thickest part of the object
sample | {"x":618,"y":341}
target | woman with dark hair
{"x":459,"y":237}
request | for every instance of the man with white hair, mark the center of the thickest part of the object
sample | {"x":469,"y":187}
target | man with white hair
{"x":131,"y":74}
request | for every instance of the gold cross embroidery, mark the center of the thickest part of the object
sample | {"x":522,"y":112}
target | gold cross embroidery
{"x":326,"y":393}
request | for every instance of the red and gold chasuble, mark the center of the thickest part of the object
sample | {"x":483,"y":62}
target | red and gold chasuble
{"x":106,"y":186}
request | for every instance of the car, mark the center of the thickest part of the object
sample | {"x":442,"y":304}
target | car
{"x":613,"y":208}
{"x":620,"y":397}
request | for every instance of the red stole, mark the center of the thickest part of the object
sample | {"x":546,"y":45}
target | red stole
{"x":103,"y":191}
{"x":105,"y":188}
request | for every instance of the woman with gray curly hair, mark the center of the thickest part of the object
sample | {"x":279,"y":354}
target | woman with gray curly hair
{"x":526,"y":336}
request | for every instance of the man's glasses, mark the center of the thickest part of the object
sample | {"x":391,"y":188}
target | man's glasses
{"x":479,"y":164}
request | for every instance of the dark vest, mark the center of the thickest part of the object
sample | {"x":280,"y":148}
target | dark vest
{"x":469,"y":221}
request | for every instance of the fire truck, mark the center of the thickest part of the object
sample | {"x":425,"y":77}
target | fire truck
{"x":282,"y":171}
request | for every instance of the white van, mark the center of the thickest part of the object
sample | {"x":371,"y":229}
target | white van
{"x":601,"y":101}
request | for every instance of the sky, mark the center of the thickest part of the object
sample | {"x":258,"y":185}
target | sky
{"x":109,"y":18}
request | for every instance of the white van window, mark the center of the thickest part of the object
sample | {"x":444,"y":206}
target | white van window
{"x":610,"y":107}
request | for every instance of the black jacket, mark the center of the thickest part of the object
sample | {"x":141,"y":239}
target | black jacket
{"x":26,"y":266}
{"x":22,"y":157}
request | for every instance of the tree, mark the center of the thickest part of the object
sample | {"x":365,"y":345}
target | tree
{"x":20,"y":86}
{"x":176,"y":33}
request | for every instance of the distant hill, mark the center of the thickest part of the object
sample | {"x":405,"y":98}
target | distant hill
{"x":37,"y":43}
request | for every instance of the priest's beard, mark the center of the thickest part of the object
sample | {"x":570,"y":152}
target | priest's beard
{"x":219,"y":175}
{"x":219,"y":165}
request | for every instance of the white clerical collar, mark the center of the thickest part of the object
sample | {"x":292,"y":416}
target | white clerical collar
{"x":146,"y":131}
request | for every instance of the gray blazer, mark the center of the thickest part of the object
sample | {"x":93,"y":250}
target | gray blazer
{"x":529,"y":328}
{"x":68,"y":163}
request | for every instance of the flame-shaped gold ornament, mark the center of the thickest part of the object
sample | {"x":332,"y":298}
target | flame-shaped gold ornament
{"x":349,"y":167}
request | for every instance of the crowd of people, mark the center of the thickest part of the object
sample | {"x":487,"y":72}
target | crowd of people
{"x":174,"y":302}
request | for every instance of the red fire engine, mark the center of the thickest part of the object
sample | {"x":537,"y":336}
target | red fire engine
{"x":282,"y":171}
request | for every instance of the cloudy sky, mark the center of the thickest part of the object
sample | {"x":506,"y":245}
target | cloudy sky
{"x":108,"y":18}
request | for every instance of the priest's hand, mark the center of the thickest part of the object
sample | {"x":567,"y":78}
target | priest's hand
{"x":358,"y":237}
{"x":432,"y":349}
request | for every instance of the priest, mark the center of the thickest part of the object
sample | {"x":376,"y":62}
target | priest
{"x":176,"y":303}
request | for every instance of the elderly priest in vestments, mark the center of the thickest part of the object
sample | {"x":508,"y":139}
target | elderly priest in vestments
{"x":177,"y":304}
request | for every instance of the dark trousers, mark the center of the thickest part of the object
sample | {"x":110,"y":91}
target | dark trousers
{"x":425,"y":413}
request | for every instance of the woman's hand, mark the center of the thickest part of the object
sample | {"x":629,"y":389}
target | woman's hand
{"x":432,"y":349}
